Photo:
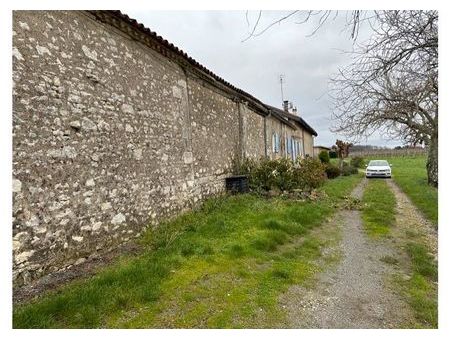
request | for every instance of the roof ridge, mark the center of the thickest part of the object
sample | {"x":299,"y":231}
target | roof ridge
{"x":293,"y":117}
{"x":258,"y":104}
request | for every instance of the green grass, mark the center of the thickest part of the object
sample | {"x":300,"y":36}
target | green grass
{"x":411,"y":175}
{"x":223,"y":265}
{"x":378,"y":211}
{"x":379,"y":215}
{"x":421,"y":289}
{"x":422,"y":261}
{"x":334,"y":161}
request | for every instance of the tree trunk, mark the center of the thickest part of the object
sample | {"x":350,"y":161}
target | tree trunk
{"x":432,"y":161}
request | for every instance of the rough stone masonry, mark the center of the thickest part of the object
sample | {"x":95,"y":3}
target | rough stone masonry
{"x":112,"y":132}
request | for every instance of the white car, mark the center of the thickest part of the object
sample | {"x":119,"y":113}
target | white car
{"x":378,"y":168}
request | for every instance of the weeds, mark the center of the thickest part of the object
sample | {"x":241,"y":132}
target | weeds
{"x":378,"y":211}
{"x":421,"y":288}
{"x":411,"y":175}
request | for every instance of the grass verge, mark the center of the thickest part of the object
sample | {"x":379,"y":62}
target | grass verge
{"x":418,"y":281}
{"x":420,"y":286}
{"x":220,"y":266}
{"x":421,"y":289}
{"x":378,"y":211}
{"x":410,"y":174}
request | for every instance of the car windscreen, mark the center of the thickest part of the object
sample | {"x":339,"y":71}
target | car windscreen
{"x":378,"y":164}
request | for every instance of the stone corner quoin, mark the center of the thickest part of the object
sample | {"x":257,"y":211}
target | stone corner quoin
{"x":112,"y":133}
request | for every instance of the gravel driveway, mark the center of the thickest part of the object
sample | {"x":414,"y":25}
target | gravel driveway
{"x":355,"y":293}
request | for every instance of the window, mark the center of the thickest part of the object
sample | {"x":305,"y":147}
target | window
{"x":294,"y":149}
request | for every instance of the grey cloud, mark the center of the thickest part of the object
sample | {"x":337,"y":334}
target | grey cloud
{"x":214,"y":38}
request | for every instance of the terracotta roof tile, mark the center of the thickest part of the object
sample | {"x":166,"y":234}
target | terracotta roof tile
{"x":171,"y":47}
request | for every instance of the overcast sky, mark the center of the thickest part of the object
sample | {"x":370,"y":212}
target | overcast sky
{"x":214,"y":38}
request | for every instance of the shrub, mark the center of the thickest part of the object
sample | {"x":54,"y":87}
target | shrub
{"x":282,"y":174}
{"x":332,"y":171}
{"x":332,"y":154}
{"x":348,"y":169}
{"x":252,"y":168}
{"x":267,"y":174}
{"x":273,"y":174}
{"x":244,"y":167}
{"x":310,"y":174}
{"x":357,"y":162}
{"x":324,"y":157}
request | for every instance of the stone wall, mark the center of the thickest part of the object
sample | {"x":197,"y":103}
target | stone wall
{"x":308,"y":141}
{"x":252,"y":133}
{"x":108,"y":136}
{"x":215,"y":137}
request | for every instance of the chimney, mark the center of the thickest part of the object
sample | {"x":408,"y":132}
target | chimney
{"x":286,"y":105}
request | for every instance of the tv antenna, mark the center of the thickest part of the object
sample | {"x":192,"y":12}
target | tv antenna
{"x":281,"y":86}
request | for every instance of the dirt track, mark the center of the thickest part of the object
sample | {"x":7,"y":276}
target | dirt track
{"x":356,"y":293}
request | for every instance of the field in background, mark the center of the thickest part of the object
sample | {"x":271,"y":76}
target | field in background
{"x":410,"y":173}
{"x":390,"y":152}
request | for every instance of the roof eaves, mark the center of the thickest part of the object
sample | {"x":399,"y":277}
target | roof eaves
{"x":282,"y":119}
{"x":168,"y":49}
{"x":296,"y":118}
{"x":116,"y":17}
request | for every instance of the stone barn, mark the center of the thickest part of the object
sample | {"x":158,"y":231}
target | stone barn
{"x":115,"y":129}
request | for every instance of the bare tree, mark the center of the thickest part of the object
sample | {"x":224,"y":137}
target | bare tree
{"x":391,"y":85}
{"x":343,"y":150}
{"x":353,"y":21}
